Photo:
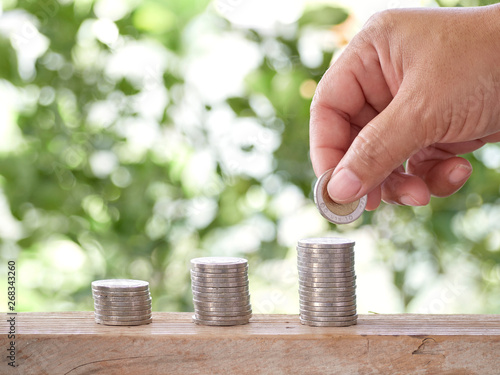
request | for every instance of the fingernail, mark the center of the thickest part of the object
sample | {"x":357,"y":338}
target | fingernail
{"x":460,"y":173}
{"x":343,"y":186}
{"x":408,"y":200}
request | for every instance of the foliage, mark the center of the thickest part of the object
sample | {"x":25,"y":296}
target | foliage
{"x":104,"y":184}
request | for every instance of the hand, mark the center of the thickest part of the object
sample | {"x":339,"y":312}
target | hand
{"x":415,"y":85}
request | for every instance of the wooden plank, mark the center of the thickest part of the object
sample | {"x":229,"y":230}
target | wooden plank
{"x":71,"y":343}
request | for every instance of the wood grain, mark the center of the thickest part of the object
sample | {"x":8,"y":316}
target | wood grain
{"x":72,"y":343}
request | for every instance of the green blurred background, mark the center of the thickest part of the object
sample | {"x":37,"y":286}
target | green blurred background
{"x":136,"y":135}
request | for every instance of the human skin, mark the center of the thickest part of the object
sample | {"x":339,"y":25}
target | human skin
{"x":419,"y":86}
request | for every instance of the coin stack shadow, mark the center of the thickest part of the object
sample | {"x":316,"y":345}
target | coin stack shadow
{"x":220,"y":291}
{"x":327,"y":282}
{"x":122,"y":302}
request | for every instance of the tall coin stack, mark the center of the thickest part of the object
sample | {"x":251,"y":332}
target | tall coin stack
{"x":220,"y":291}
{"x":122,"y":302}
{"x":327,"y":282}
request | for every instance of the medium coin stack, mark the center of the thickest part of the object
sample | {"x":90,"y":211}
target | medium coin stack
{"x":220,"y":291}
{"x":122,"y":302}
{"x":327,"y":282}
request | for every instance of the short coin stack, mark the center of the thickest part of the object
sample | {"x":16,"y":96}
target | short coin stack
{"x":327,"y":282}
{"x":122,"y":302}
{"x":220,"y":291}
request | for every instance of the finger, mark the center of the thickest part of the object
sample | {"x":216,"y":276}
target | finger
{"x":443,"y":177}
{"x":346,"y":92}
{"x":373,"y":199}
{"x":405,"y":189}
{"x":381,"y":146}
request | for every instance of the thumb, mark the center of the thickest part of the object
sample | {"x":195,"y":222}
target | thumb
{"x":384,"y":144}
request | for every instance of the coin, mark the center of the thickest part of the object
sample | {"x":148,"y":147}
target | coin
{"x":220,"y":275}
{"x":326,"y":242}
{"x":120,"y":285}
{"x":328,"y":324}
{"x":228,"y":313}
{"x":144,"y":298}
{"x":217,"y":304}
{"x":325,"y":259}
{"x":339,"y":310}
{"x":332,"y":298}
{"x":332,"y":211}
{"x":220,"y":323}
{"x":235,"y":289}
{"x":123,"y":318}
{"x":339,"y":318}
{"x":226,"y":301}
{"x":319,"y":267}
{"x":328,"y":285}
{"x":303,"y":278}
{"x":119,"y":323}
{"x":219,"y":272}
{"x":225,"y":308}
{"x":219,"y":262}
{"x":122,"y":312}
{"x":119,"y":294}
{"x":329,"y":271}
{"x":221,"y":318}
{"x":100,"y":301}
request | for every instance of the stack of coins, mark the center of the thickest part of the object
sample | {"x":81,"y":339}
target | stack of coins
{"x":122,"y":302}
{"x":327,"y":282}
{"x":220,"y":291}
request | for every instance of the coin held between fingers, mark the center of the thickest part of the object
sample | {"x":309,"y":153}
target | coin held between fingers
{"x":332,"y":211}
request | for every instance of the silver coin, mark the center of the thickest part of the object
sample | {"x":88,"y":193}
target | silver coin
{"x":306,"y":298}
{"x":120,"y":285}
{"x":146,"y":297}
{"x":119,"y":323}
{"x":331,"y":305}
{"x":324,"y":257}
{"x":123,"y":308}
{"x":323,"y":292}
{"x":227,"y":308}
{"x":326,"y":279}
{"x":221,"y":305}
{"x":122,"y":312}
{"x":223,"y":299}
{"x":342,"y":284}
{"x":119,"y":294}
{"x":219,"y":262}
{"x":219,"y":323}
{"x":235,"y":289}
{"x":326,"y":242}
{"x":325,"y":271}
{"x":123,"y":318}
{"x":325,"y":253}
{"x":348,"y":310}
{"x":122,"y":304}
{"x":332,"y":211}
{"x":338,"y":310}
{"x":219,"y":280}
{"x":326,"y":267}
{"x":338,"y":301}
{"x":220,"y":275}
{"x":221,"y":294}
{"x":220,"y":285}
{"x":323,"y":260}
{"x":221,"y":318}
{"x":224,"y":314}
{"x":328,"y":324}
{"x":339,"y":318}
{"x":327,"y":310}
{"x":219,"y":271}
